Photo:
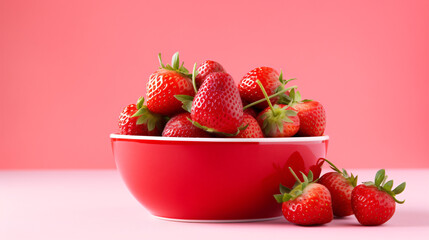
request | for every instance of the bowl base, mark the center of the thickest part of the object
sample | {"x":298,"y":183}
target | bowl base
{"x":217,"y":220}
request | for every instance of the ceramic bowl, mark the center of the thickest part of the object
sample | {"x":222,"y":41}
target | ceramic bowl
{"x":213,"y":179}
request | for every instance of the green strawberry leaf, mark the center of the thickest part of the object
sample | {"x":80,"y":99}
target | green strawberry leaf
{"x":160,"y":61}
{"x":353,"y":180}
{"x":283,"y":189}
{"x":147,"y":117}
{"x":283,"y":81}
{"x":140,"y":112}
{"x":379,"y":183}
{"x":304,"y":177}
{"x":212,"y":130}
{"x":379,"y":177}
{"x":287,"y":197}
{"x":175,"y":65}
{"x":281,"y":77}
{"x":284,"y":99}
{"x":400,"y":188}
{"x":151,"y":123}
{"x":186,"y":101}
{"x":175,"y":62}
{"x":194,"y":75}
{"x":280,"y":126}
{"x":278,"y":197}
{"x":291,"y":79}
{"x":310,"y":176}
{"x":291,"y":113}
{"x":140,"y":103}
{"x":243,"y":127}
{"x":388,"y":186}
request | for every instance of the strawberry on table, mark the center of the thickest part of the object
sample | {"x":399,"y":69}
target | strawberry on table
{"x":180,"y":126}
{"x":374,"y":203}
{"x":340,"y":185}
{"x":138,"y":120}
{"x":217,"y":106}
{"x":205,"y":69}
{"x":167,"y":81}
{"x":253,"y":129}
{"x":308,"y":203}
{"x":278,"y":120}
{"x":311,"y":114}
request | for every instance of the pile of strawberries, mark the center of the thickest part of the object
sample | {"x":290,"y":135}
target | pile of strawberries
{"x":208,"y":103}
{"x":335,"y":193}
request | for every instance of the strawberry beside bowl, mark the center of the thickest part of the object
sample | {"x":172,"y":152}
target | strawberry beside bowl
{"x":213,"y":179}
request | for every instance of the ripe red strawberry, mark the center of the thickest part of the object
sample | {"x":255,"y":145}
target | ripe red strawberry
{"x":308,"y":203}
{"x":311,"y":114}
{"x":205,"y":69}
{"x":373,"y":203}
{"x":180,"y":126}
{"x":313,"y":118}
{"x":251,"y":92}
{"x":251,"y":112}
{"x":217,"y":106}
{"x":131,"y":121}
{"x":340,"y":185}
{"x":166,"y":82}
{"x":253,"y":129}
{"x":278,"y":120}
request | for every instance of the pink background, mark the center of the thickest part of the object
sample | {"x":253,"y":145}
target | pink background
{"x":67,"y":68}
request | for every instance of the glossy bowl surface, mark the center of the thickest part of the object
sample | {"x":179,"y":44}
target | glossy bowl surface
{"x":213,"y":179}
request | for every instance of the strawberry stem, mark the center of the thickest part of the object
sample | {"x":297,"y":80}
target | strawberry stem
{"x":160,"y":60}
{"x":175,"y":62}
{"x":271,"y":96}
{"x":332,"y":165}
{"x":265,"y":95}
{"x":294,"y":175}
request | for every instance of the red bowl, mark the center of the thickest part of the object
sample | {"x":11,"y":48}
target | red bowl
{"x":213,"y":179}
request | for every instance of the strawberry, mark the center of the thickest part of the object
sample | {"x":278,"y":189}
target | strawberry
{"x":180,"y":126}
{"x":308,"y":203}
{"x":217,"y":106}
{"x":249,"y":110}
{"x":278,"y":120}
{"x":253,"y":129}
{"x":311,"y":114}
{"x":373,"y":203}
{"x":270,"y":79}
{"x":166,"y":82}
{"x":313,"y":118}
{"x":205,"y":69}
{"x":340,"y":185}
{"x":138,"y":120}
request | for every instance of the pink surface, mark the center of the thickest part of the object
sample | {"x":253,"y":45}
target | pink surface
{"x":67,"y":68}
{"x":96,"y":205}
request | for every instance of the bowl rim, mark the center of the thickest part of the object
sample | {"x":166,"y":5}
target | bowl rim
{"x":227,"y":140}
